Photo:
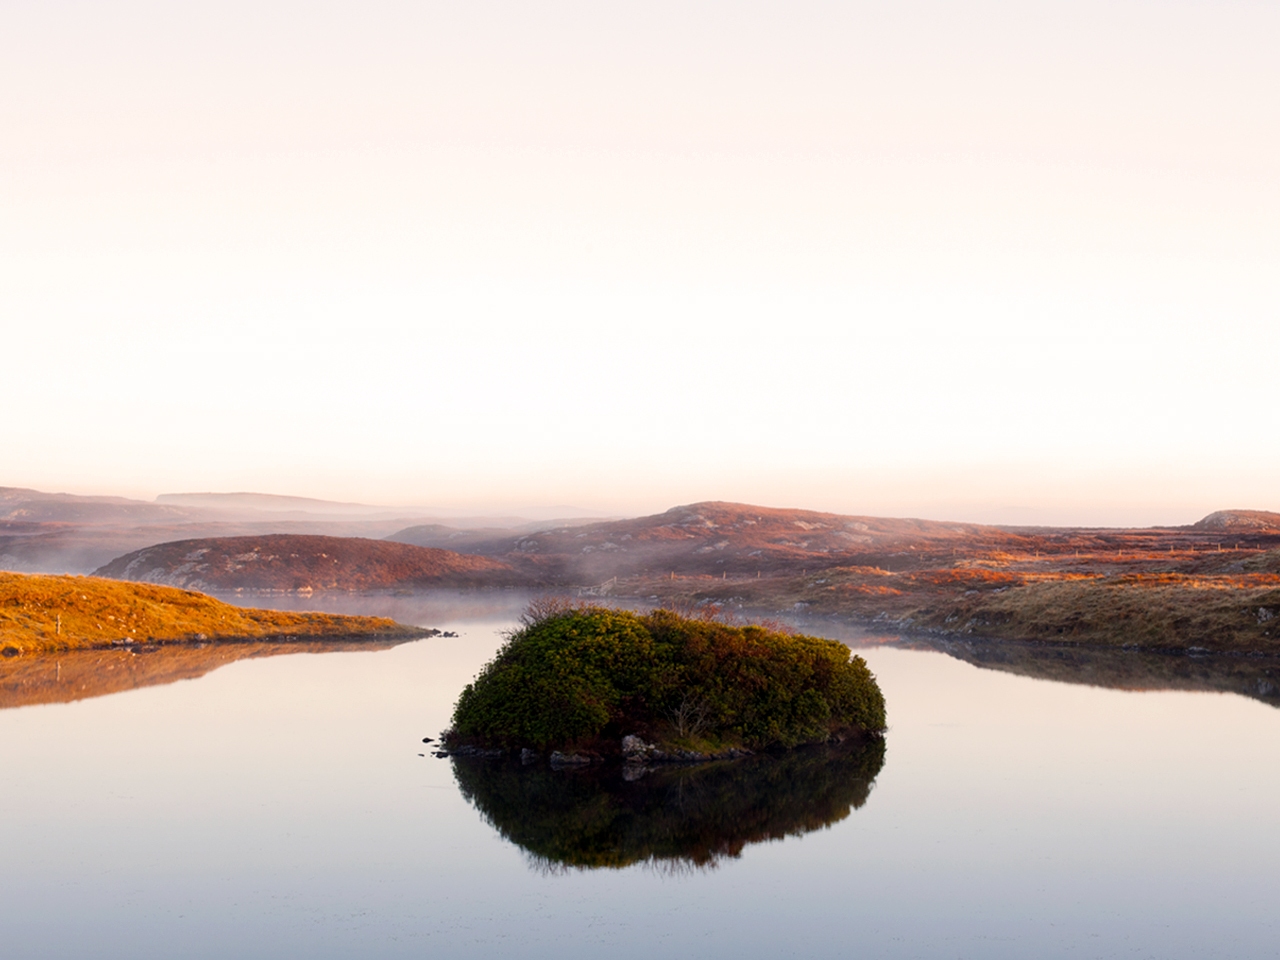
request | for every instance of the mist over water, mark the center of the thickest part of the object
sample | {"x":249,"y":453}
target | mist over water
{"x":420,"y":608}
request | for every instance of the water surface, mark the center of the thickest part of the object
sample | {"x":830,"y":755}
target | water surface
{"x":280,"y":808}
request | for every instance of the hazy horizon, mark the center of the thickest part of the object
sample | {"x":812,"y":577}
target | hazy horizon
{"x":539,"y":512}
{"x":964,"y":261}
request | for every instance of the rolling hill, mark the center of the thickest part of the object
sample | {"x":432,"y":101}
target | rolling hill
{"x":284,"y":562}
{"x":708,"y":538}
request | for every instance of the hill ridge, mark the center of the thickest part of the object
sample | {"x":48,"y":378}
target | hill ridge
{"x":302,"y":563}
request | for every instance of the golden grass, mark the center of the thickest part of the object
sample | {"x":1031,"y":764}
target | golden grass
{"x":1135,"y":612}
{"x":1237,"y":611}
{"x":45,"y":614}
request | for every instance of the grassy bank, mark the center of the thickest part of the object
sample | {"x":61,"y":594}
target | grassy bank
{"x":47,"y":614}
{"x":1224,"y":601}
{"x":1136,"y":613}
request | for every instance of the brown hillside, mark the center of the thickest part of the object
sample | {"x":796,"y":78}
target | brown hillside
{"x":81,"y":548}
{"x":1240,"y":521}
{"x":22,"y":504}
{"x":716,"y":538}
{"x":303,"y":563}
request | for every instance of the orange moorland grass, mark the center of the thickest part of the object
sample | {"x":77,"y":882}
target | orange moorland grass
{"x":1100,"y":605}
{"x":45,"y":613}
{"x":1134,"y":611}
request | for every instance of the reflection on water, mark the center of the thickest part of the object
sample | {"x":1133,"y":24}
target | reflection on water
{"x":1255,"y":677}
{"x":281,"y":808}
{"x":672,"y":817}
{"x":80,"y":674}
{"x":419,"y":608}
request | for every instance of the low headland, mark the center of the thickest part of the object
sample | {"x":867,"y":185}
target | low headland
{"x":578,"y":684}
{"x":41,"y":614}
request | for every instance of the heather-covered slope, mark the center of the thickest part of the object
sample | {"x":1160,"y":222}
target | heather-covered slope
{"x":735,"y":541}
{"x":1240,"y":521}
{"x":711,"y":538}
{"x":304,"y":563}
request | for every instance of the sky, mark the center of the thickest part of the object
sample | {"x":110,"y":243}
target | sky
{"x":1012,"y":262}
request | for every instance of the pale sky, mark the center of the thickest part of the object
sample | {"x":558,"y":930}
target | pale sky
{"x":995,"y":261}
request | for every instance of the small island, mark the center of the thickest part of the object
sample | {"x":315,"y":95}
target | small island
{"x":581,"y":683}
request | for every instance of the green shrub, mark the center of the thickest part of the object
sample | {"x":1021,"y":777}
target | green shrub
{"x":576,"y":678}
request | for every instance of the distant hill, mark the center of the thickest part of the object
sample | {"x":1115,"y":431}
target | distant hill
{"x":266,"y":501}
{"x":262,"y":506}
{"x":80,"y":548}
{"x":1240,"y":521}
{"x":462,"y":535}
{"x":303,"y":563}
{"x":710,"y":537}
{"x":44,"y":532}
{"x":33,"y":506}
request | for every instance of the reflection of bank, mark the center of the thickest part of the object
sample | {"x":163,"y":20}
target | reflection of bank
{"x":672,"y":816}
{"x":1256,"y":677}
{"x":81,"y":674}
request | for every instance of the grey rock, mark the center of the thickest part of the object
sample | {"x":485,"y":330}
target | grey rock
{"x":559,"y":759}
{"x":633,"y":746}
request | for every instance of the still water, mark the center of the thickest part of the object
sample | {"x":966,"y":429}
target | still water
{"x":281,"y":808}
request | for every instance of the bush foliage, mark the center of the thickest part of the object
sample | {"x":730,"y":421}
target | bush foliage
{"x":575,"y":678}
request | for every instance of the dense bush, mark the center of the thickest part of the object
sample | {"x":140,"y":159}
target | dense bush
{"x":583,"y":677}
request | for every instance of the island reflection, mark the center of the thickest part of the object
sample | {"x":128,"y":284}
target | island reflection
{"x":672,"y":817}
